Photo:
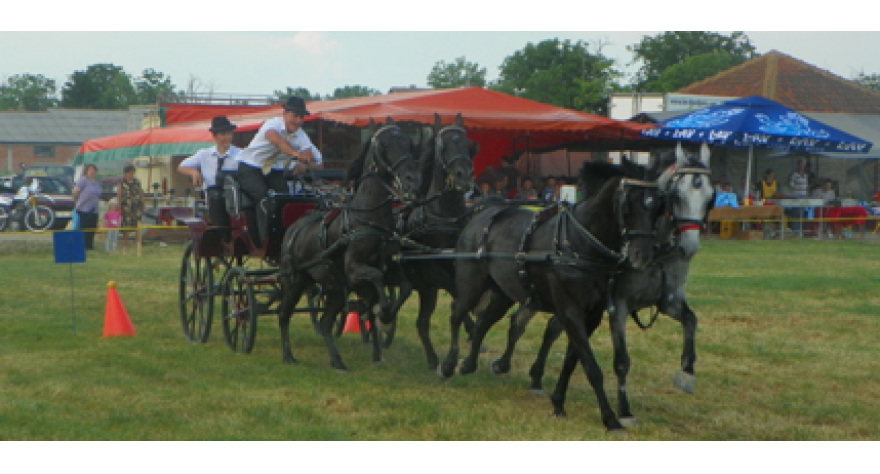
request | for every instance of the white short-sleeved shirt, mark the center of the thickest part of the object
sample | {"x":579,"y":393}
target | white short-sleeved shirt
{"x":261,"y":149}
{"x":205,"y":160}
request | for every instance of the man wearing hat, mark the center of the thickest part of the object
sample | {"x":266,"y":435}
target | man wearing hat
{"x":208,"y":165}
{"x":278,"y":142}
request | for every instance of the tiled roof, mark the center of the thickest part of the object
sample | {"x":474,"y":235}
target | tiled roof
{"x":791,"y":82}
{"x":63,"y":126}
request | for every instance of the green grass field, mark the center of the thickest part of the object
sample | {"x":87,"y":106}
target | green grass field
{"x":787,"y":350}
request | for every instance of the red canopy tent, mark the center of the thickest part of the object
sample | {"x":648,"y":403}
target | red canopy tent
{"x":500,"y":123}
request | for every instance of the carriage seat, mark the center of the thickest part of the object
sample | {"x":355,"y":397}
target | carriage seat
{"x":236,"y":201}
{"x":282,"y":210}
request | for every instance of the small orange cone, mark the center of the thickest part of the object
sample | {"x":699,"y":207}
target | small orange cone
{"x":352,"y":323}
{"x":116,"y":322}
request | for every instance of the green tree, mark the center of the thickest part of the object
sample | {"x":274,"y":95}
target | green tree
{"x":281,"y":96}
{"x":30,"y":92}
{"x":693,"y":69}
{"x":560,"y":73}
{"x":868,"y":81}
{"x":353,"y":91}
{"x":663,"y":51}
{"x":100,"y":86}
{"x":153,"y":86}
{"x":459,"y":73}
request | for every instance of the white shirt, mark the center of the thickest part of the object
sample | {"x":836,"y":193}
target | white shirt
{"x":205,"y":160}
{"x":261,"y":149}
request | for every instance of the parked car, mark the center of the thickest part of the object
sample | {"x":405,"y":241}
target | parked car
{"x":54,"y":193}
{"x":64,"y":173}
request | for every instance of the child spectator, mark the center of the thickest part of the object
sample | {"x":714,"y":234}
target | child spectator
{"x":112,"y":218}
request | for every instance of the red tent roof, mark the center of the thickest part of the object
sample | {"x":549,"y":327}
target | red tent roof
{"x":493,"y":119}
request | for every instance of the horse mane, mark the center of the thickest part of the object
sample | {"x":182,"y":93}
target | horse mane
{"x":356,"y":168}
{"x":594,"y":174}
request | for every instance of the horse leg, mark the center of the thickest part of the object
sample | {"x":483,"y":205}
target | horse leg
{"x":335,"y":303}
{"x":374,"y":335}
{"x":498,"y":306}
{"x":289,"y":299}
{"x":618,"y":314}
{"x":427,"y":304}
{"x":552,"y":332}
{"x":460,"y":307}
{"x":579,"y":332}
{"x":558,"y":397}
{"x":518,"y":323}
{"x":685,"y":379}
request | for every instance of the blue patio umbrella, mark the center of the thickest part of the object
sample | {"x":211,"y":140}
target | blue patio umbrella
{"x":756,"y":121}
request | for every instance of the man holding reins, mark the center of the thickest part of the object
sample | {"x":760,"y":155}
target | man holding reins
{"x":278,"y":142}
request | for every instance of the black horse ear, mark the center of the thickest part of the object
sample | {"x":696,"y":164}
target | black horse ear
{"x":459,"y":121}
{"x":475,"y":147}
{"x":371,"y":126}
{"x":437,"y":122}
{"x":389,"y":121}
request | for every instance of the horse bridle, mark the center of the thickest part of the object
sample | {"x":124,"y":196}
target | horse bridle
{"x":621,"y":206}
{"x":438,"y":152}
{"x":373,"y":168}
{"x":683,"y":224}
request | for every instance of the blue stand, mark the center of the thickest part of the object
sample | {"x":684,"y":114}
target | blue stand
{"x":70,"y":248}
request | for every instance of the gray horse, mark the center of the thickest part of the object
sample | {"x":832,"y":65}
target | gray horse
{"x":689,"y":196}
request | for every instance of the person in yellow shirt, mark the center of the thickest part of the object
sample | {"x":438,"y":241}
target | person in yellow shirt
{"x":769,"y":186}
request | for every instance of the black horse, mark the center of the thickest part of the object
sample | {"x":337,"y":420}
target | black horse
{"x":557,"y":261}
{"x":687,"y":197}
{"x":347,"y":250}
{"x":435,"y":222}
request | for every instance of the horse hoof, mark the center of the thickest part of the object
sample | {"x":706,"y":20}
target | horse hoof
{"x":538,"y":392}
{"x":629,"y":421}
{"x":484,"y":348}
{"x":289,"y":360}
{"x":440,"y":373}
{"x":497,"y":368}
{"x":617,"y":432}
{"x":684,"y":381}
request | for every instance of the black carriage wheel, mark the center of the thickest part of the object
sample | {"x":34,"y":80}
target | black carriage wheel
{"x":196,"y":296}
{"x":239,"y":311}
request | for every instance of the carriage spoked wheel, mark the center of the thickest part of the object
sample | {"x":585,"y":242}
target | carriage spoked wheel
{"x":238,"y":308}
{"x":196,"y":296}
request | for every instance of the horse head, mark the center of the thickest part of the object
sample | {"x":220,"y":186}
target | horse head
{"x":635,"y":200}
{"x":688,"y":195}
{"x":390,"y":157}
{"x":453,"y":153}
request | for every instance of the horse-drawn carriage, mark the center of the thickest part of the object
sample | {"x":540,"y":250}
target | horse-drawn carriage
{"x":215,"y":260}
{"x":563,"y":260}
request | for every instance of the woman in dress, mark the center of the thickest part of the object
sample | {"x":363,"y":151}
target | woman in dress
{"x":130,"y":195}
{"x":86,"y":195}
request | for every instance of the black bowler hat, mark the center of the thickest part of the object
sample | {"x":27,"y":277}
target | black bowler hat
{"x":221,"y":124}
{"x":296,"y":105}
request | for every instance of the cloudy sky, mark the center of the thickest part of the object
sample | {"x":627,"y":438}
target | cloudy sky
{"x":332,"y":54}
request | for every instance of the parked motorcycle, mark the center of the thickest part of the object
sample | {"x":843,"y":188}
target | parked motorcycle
{"x":25,"y":213}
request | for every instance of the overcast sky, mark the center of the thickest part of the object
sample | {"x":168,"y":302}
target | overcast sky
{"x":260,"y":62}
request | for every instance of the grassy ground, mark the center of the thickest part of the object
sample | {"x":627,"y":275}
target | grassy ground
{"x":787,"y":350}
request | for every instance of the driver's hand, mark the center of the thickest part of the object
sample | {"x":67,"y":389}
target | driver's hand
{"x":197,"y":180}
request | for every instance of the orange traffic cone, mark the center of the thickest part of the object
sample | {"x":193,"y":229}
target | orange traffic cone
{"x":116,"y":322}
{"x":352,"y":323}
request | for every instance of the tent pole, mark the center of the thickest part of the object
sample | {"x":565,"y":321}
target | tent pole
{"x":748,"y":174}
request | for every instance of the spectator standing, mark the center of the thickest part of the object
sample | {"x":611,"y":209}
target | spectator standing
{"x":798,"y":183}
{"x":508,"y":170}
{"x":528,"y":189}
{"x":130,"y":196}
{"x":112,"y":219}
{"x":549,"y":192}
{"x":769,"y":186}
{"x":87,"y":195}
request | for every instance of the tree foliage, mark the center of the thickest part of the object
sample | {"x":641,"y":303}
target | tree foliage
{"x":353,"y":91}
{"x":28,"y":92}
{"x":663,"y":51}
{"x":100,"y":86}
{"x":153,"y":87}
{"x":458,"y":73}
{"x":559,"y":73}
{"x":693,"y":69}
{"x":281,"y":96}
{"x":868,"y":81}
